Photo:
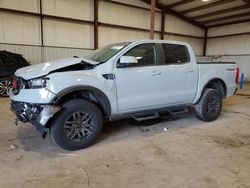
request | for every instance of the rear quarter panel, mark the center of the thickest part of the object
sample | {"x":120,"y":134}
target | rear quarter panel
{"x":208,"y":72}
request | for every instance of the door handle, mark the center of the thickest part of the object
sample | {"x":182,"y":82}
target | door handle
{"x":189,"y":70}
{"x":156,"y":73}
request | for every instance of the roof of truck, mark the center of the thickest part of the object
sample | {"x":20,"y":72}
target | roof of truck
{"x":158,"y":41}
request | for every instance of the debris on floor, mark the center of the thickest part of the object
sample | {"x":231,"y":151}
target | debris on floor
{"x":20,"y":157}
{"x":85,"y":174}
{"x":13,"y":147}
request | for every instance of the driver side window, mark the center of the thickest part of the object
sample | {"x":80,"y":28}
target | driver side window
{"x":144,"y":53}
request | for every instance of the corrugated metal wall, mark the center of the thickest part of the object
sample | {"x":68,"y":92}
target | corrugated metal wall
{"x":230,"y":45}
{"x":37,"y":54}
{"x":76,"y":37}
{"x":230,"y":48}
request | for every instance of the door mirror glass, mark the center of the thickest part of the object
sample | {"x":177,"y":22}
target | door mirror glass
{"x":128,"y":60}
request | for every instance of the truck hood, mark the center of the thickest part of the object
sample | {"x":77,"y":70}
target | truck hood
{"x":43,"y":69}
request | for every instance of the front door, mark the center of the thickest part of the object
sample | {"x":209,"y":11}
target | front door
{"x":137,"y":83}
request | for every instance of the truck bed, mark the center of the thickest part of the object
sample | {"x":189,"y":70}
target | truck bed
{"x":215,"y":62}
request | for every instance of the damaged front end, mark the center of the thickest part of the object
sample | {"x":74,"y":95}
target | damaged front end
{"x":37,"y":114}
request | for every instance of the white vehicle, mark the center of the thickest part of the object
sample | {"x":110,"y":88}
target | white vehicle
{"x":141,"y":79}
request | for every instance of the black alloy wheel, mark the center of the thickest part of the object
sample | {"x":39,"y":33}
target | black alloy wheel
{"x":77,"y":125}
{"x":209,"y":106}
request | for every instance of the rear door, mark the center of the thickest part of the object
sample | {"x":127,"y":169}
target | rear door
{"x":180,"y":75}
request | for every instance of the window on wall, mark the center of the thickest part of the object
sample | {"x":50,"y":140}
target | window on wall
{"x":144,"y":53}
{"x":175,"y":54}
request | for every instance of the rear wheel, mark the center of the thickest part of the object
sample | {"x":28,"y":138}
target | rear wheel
{"x":77,"y":126}
{"x":5,"y":86}
{"x":209,"y":107}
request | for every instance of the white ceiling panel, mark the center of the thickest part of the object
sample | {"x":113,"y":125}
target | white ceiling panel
{"x":168,"y":2}
{"x":216,"y":8}
{"x":193,"y":4}
{"x":227,"y":21}
{"x":225,"y":15}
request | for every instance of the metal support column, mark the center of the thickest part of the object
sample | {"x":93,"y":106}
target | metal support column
{"x":152,"y":20}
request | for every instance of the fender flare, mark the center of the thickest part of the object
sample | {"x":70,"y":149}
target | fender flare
{"x":99,"y":95}
{"x":216,"y":86}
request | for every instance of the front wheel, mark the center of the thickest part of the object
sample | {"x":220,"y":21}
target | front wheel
{"x":209,"y":106}
{"x":77,"y":126}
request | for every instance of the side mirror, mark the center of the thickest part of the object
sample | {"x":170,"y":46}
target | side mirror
{"x":128,"y":60}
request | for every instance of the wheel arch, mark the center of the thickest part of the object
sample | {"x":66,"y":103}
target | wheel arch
{"x":92,"y":94}
{"x":215,"y":83}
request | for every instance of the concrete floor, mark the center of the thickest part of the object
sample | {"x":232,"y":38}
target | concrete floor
{"x":188,"y":153}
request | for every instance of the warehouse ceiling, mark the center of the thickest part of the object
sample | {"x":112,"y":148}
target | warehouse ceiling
{"x":208,"y":13}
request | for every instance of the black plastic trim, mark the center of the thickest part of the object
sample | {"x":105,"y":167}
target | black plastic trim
{"x":103,"y":99}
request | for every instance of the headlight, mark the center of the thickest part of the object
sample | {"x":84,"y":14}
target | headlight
{"x":37,"y":83}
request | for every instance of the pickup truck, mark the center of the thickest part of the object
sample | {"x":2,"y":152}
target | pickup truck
{"x":70,"y":98}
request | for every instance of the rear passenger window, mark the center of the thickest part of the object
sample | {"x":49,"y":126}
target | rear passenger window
{"x":175,"y":54}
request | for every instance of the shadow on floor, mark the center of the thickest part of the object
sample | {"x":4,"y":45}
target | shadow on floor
{"x":30,"y":140}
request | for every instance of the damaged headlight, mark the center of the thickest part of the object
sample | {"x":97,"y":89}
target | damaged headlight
{"x":37,"y":83}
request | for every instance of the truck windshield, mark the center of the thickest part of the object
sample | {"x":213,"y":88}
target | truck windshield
{"x":104,"y":54}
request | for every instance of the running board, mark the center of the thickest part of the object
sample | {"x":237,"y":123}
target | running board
{"x":173,"y":111}
{"x":144,"y":117}
{"x":178,"y":110}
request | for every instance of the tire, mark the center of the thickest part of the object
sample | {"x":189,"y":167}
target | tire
{"x":5,"y":86}
{"x":209,"y":106}
{"x":77,"y":125}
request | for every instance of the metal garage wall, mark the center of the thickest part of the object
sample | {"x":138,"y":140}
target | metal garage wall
{"x":79,"y":9}
{"x":109,"y":35}
{"x":235,"y":47}
{"x":67,"y":34}
{"x":59,"y":33}
{"x":19,"y":29}
{"x":62,"y":38}
{"x":37,"y":54}
{"x":229,"y":29}
{"x":176,"y":25}
{"x":26,"y":5}
{"x":121,"y":15}
{"x":114,"y":14}
{"x":230,"y":45}
{"x":126,"y":16}
{"x":22,"y":34}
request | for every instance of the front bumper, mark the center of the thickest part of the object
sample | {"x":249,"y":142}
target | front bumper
{"x":37,"y":114}
{"x":40,"y":96}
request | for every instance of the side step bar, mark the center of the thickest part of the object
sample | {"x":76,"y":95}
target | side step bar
{"x":152,"y":114}
{"x":144,"y":117}
{"x":157,"y":114}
